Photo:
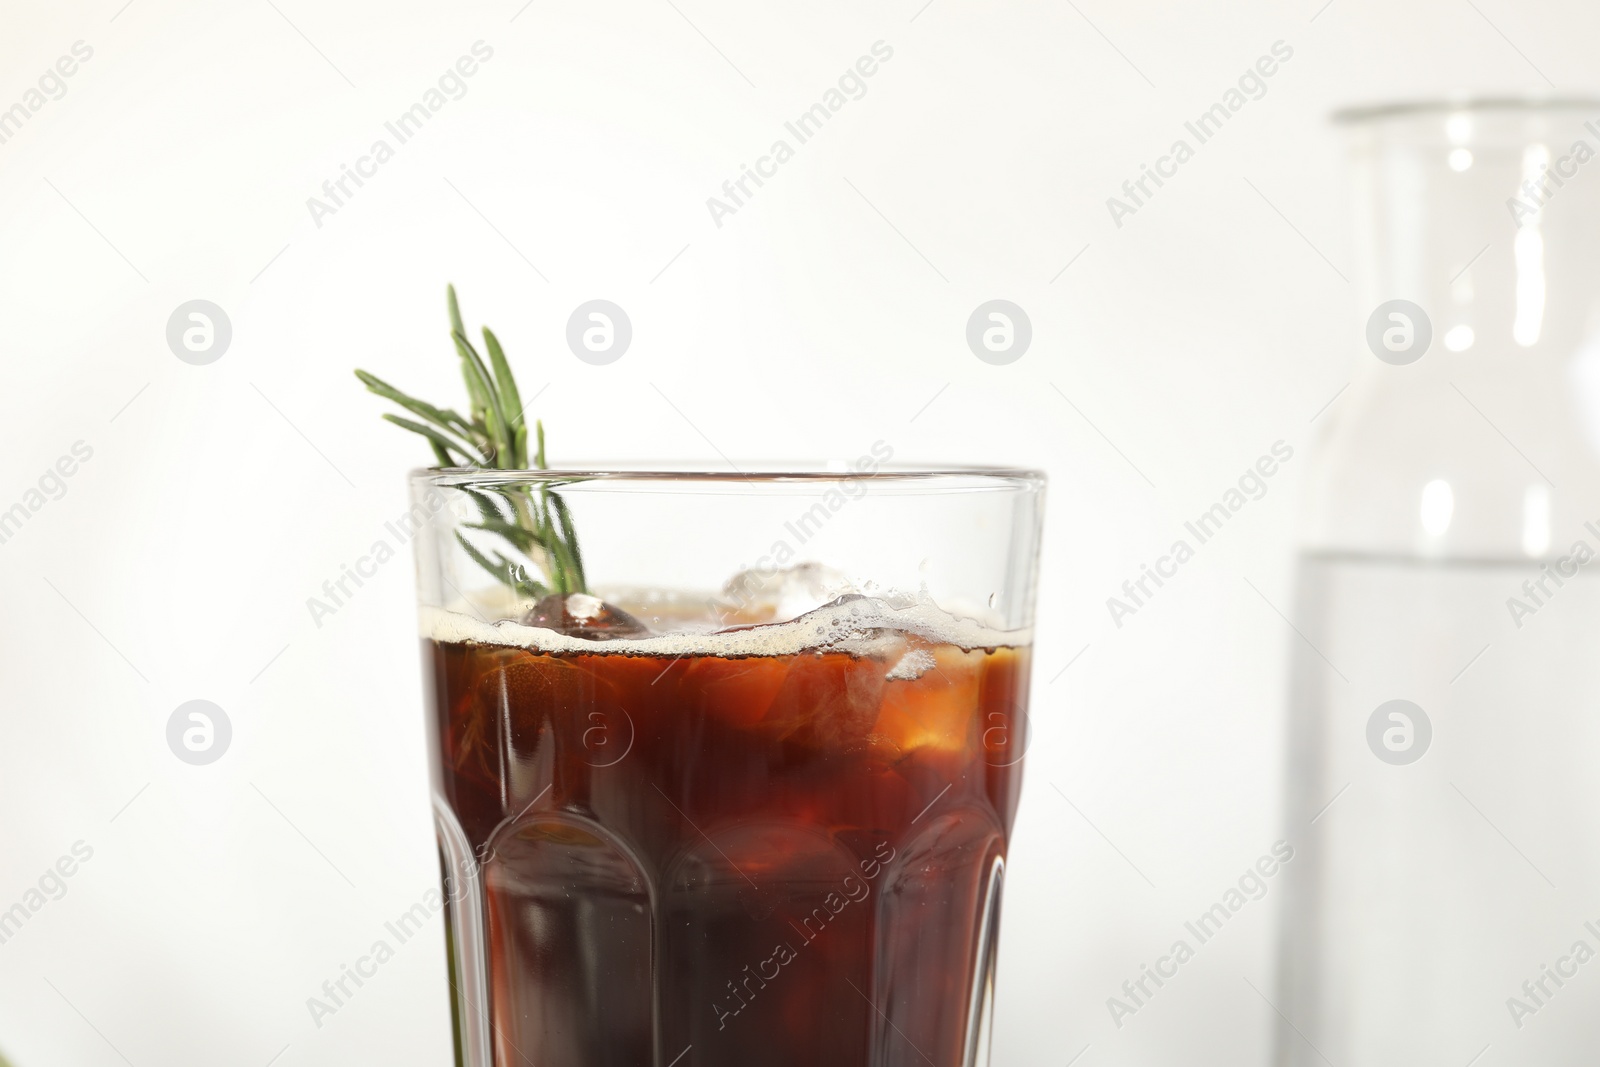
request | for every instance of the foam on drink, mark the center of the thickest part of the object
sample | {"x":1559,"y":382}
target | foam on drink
{"x":848,"y":624}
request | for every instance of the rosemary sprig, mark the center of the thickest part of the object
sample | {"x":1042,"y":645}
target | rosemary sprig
{"x":493,"y":435}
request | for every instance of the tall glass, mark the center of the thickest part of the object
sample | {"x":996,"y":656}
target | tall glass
{"x":1445,"y":801}
{"x":746,"y":799}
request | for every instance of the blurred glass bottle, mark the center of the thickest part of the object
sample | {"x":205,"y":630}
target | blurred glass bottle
{"x":1444,"y":773}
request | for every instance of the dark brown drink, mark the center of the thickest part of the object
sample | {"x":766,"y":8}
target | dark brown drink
{"x":738,"y":852}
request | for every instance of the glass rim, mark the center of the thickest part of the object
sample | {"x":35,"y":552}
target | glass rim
{"x":1358,"y":114}
{"x":756,"y":473}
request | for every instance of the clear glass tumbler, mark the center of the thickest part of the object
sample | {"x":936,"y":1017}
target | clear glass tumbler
{"x":1445,"y":803}
{"x":725,"y":764}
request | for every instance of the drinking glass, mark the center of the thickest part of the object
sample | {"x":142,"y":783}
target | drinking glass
{"x":727,"y":776}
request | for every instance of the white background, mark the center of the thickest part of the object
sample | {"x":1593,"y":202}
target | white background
{"x":829,"y":312}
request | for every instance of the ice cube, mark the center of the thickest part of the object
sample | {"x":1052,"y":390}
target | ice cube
{"x":828,"y":700}
{"x":937,"y":708}
{"x":582,"y":615}
{"x":779,"y":594}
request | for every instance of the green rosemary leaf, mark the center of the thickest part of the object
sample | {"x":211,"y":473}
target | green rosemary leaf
{"x":570,"y":537}
{"x":566,"y":570}
{"x":479,"y":558}
{"x":494,"y":434}
{"x":447,"y":421}
{"x":524,"y":539}
{"x":494,"y":411}
{"x":466,"y":428}
{"x":455,"y":311}
{"x":486,"y":506}
{"x":505,"y":571}
{"x":523,"y":586}
{"x":437,"y":438}
{"x":477,"y":387}
{"x":510,"y":399}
